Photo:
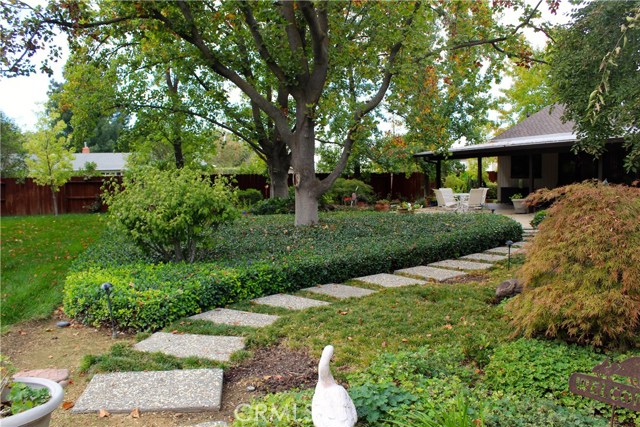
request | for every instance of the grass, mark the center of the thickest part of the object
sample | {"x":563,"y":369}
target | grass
{"x":36,"y":254}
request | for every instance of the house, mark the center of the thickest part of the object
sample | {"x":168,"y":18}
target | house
{"x":536,"y":153}
{"x":107,"y":164}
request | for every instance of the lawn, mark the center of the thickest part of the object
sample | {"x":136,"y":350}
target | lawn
{"x":36,"y":254}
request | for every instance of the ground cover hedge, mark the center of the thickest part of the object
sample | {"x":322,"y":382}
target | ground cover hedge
{"x":264,"y":255}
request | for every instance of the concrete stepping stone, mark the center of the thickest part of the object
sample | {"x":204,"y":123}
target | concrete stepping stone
{"x":340,"y":291}
{"x":60,"y":376}
{"x":188,"y":390}
{"x":226,"y":316}
{"x":289,"y":302}
{"x":212,"y":347}
{"x":519,"y":244}
{"x":484,"y":257}
{"x":461,"y":265}
{"x":438,"y":274}
{"x":499,"y":250}
{"x":389,"y":280}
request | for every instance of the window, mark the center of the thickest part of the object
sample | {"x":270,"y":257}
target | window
{"x":520,"y":166}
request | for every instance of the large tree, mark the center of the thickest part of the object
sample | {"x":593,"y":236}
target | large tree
{"x":577,"y":69}
{"x":13,"y":153}
{"x":294,"y":62}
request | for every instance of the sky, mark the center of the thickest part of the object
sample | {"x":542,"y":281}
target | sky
{"x":21,"y":98}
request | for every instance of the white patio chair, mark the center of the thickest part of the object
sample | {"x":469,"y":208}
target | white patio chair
{"x":446,"y":202}
{"x":476,"y":199}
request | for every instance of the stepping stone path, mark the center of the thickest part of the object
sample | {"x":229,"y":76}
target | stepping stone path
{"x":189,"y":345}
{"x":188,"y":390}
{"x":60,"y":376}
{"x":236,"y":318}
{"x":437,"y":274}
{"x":499,"y":250}
{"x":461,"y":265}
{"x":289,"y":302}
{"x":389,"y":280}
{"x":484,"y":257}
{"x":340,"y":291}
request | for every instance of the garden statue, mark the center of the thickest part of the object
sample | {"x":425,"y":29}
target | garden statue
{"x":331,"y":405}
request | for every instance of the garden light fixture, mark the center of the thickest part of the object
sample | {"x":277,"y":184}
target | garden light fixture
{"x":106,"y":287}
{"x":509,"y":243}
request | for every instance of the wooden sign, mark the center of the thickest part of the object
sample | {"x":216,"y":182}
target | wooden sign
{"x":615,"y":383}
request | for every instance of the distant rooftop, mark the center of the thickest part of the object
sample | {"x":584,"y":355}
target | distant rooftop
{"x":543,"y":130}
{"x":108,"y":163}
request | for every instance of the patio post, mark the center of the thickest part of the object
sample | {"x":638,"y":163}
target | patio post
{"x":479,"y":172}
{"x":438,"y":173}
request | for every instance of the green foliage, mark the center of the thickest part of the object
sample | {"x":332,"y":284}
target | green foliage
{"x":263,"y":255}
{"x":23,"y":397}
{"x":517,"y":196}
{"x":274,"y":206}
{"x":168,"y":212}
{"x":248,"y":197}
{"x":538,"y":218}
{"x":374,"y":401}
{"x":582,"y":273}
{"x":527,"y":411}
{"x":582,"y":61}
{"x":13,"y":153}
{"x":456,"y":183}
{"x":345,"y":187}
{"x":457,"y":414}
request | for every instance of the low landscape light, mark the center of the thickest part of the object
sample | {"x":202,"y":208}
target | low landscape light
{"x":509,"y":243}
{"x":106,"y":287}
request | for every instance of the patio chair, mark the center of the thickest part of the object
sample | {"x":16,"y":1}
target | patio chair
{"x":445,"y":199}
{"x":476,"y":200}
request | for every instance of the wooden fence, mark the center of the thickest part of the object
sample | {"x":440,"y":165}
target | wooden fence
{"x":79,"y":195}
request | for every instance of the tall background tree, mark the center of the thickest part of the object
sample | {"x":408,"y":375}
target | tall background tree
{"x":12,"y":153}
{"x":307,"y":64}
{"x":49,"y":160}
{"x":577,"y":69}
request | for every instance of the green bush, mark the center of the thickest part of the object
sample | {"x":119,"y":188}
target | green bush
{"x":457,"y":184}
{"x":538,"y":218}
{"x":291,"y":408}
{"x":274,"y":206}
{"x":582,"y":273}
{"x":265,"y":255}
{"x":248,"y":197}
{"x":345,"y":187}
{"x":168,"y":212}
{"x":374,"y":401}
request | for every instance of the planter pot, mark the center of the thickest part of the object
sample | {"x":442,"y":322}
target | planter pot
{"x":381,"y":207}
{"x":519,"y":206}
{"x":40,"y":415}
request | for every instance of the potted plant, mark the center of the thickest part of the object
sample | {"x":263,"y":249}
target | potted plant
{"x":27,"y":401}
{"x":382,"y":205}
{"x":518,"y":203}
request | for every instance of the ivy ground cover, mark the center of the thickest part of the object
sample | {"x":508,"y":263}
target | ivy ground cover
{"x":263,"y":255}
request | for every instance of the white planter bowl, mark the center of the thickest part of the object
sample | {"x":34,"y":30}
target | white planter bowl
{"x":40,"y":415}
{"x":519,"y":206}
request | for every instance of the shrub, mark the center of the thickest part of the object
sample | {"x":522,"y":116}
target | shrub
{"x":345,"y":187}
{"x":374,"y":401}
{"x":264,"y":255}
{"x":457,"y":184}
{"x":273,"y":206}
{"x":167,"y":212}
{"x":538,"y":218}
{"x":248,"y":197}
{"x":582,"y":273}
{"x":291,"y":408}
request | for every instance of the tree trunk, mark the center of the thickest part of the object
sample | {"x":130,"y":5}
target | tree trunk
{"x":177,"y":152}
{"x":55,"y":204}
{"x":279,"y":162}
{"x":304,"y":175}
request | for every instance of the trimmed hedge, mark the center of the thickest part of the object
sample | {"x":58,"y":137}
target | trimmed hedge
{"x":265,"y":256}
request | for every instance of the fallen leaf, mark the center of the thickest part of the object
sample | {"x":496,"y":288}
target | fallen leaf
{"x":50,"y":357}
{"x":135,"y":413}
{"x":428,"y":335}
{"x":384,"y":343}
{"x":23,"y":333}
{"x":350,"y":339}
{"x":405,"y":340}
{"x":448,"y":326}
{"x":103,"y":413}
{"x":67,"y":405}
{"x":343,"y":313}
{"x":174,"y":331}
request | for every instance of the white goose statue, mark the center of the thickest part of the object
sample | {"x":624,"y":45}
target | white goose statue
{"x":331,"y":405}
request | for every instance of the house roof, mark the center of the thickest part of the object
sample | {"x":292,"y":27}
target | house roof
{"x":105,"y":162}
{"x":541,"y":131}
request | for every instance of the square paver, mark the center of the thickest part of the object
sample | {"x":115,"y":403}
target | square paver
{"x":389,"y":280}
{"x":484,"y":257}
{"x":212,"y":347}
{"x":457,"y":264}
{"x":340,"y":291}
{"x":226,"y":316}
{"x":438,"y":274}
{"x":290,"y":302}
{"x":503,"y":250}
{"x":189,"y":390}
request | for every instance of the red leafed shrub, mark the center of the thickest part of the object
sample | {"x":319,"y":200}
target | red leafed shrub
{"x":582,"y":273}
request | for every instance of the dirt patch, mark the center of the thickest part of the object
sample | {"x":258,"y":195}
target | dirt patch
{"x":41,"y":344}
